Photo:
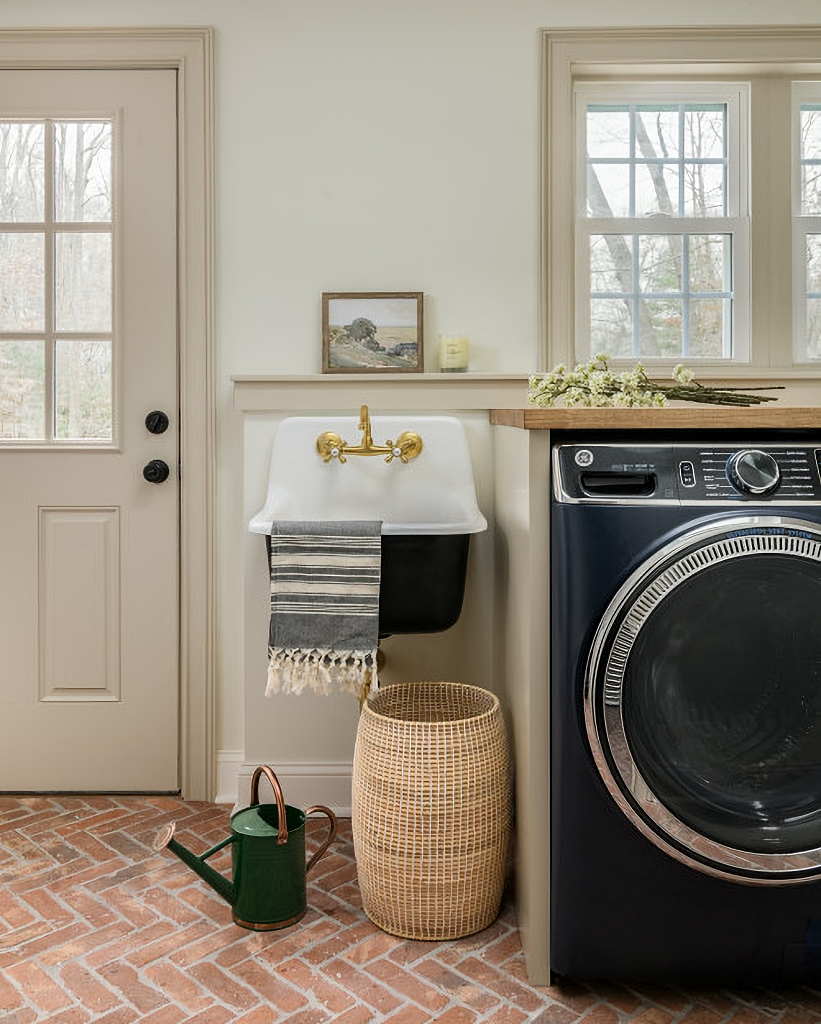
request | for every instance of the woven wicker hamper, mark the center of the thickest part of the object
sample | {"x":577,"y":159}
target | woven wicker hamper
{"x":431,"y":809}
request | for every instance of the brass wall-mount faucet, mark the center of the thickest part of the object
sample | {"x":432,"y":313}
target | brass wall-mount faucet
{"x":331,"y":446}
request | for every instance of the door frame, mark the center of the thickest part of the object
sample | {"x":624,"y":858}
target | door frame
{"x":188,"y":51}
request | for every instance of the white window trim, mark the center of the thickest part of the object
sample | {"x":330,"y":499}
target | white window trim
{"x":736,"y":222}
{"x":569,"y":54}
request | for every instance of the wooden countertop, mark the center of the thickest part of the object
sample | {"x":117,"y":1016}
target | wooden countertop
{"x":683,"y":417}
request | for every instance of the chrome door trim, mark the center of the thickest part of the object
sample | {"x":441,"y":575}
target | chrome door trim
{"x":712,"y":542}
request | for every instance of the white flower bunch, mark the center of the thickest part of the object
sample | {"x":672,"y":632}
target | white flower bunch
{"x":682,"y":374}
{"x":594,"y":385}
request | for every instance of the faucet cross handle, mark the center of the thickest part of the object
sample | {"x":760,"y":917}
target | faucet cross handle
{"x":331,"y":446}
{"x":408,"y":445}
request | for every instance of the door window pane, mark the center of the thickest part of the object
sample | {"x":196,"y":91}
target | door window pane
{"x":22,"y":284}
{"x":83,"y":390}
{"x":82,"y":171}
{"x":83,"y":281}
{"x":22,"y":390}
{"x":56,"y":280}
{"x":22,"y":178}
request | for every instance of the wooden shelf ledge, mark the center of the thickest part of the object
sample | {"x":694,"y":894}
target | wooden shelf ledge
{"x":714,"y":417}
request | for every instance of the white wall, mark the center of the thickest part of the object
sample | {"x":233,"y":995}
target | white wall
{"x":370,"y":145}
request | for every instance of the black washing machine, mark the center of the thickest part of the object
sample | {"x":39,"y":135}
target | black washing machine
{"x":686,"y":709}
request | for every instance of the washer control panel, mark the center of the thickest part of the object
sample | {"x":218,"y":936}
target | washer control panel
{"x":687,"y":473}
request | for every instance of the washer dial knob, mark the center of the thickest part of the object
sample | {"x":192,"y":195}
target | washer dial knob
{"x":752,"y":471}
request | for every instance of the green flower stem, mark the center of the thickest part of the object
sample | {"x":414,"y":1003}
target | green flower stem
{"x":593,"y":384}
{"x":713,"y":396}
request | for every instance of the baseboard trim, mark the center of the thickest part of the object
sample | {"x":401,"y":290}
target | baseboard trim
{"x":229,"y":763}
{"x":303,"y":784}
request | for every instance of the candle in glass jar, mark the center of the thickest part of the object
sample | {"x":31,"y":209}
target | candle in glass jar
{"x":453,"y":354}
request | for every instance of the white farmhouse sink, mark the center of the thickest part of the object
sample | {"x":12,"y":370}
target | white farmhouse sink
{"x":427,"y":507}
{"x":433,"y":493}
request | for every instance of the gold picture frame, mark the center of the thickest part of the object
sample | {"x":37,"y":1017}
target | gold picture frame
{"x":372,"y":332}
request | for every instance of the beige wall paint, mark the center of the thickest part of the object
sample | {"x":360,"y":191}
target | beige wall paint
{"x":369,"y":145}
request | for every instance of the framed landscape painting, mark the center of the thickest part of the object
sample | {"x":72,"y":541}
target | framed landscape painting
{"x":379,"y":332}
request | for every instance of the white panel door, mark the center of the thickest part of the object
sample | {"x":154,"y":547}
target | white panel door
{"x":89,"y":552}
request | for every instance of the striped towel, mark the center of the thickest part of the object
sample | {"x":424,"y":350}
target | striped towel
{"x":324,"y":606}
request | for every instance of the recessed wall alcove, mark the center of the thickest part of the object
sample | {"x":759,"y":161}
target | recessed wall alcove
{"x":310,"y":738}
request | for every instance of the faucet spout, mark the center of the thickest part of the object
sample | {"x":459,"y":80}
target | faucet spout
{"x":331,"y":446}
{"x":219,"y":883}
{"x":365,"y":427}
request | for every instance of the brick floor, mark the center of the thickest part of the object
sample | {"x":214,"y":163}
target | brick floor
{"x":95,"y":926}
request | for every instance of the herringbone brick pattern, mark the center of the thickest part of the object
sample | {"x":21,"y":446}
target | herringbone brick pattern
{"x":94,"y":926}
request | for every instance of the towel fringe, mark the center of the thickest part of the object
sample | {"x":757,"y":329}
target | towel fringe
{"x":291,"y":670}
{"x":324,"y":624}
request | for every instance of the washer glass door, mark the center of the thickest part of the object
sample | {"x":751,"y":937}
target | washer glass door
{"x":703,"y":698}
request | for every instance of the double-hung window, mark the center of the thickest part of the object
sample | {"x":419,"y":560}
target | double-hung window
{"x":662,"y":220}
{"x":682,"y":213}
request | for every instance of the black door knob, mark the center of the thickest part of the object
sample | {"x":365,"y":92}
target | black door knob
{"x":156,"y":422}
{"x":156,"y":471}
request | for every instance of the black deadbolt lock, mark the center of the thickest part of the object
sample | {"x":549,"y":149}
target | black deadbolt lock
{"x":157,"y":422}
{"x":156,"y":471}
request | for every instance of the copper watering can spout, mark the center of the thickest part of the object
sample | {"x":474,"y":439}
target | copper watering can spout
{"x":165,"y":841}
{"x":267,"y":858}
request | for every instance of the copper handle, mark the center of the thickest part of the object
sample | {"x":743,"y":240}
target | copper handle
{"x":329,"y":814}
{"x":263,"y":769}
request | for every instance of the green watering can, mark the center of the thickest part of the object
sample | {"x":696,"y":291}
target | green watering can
{"x":267,"y":859}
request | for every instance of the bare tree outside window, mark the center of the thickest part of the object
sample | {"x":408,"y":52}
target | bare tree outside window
{"x":56,"y":348}
{"x":22,"y":180}
{"x":658,"y":290}
{"x":22,"y":266}
{"x":810,"y":127}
